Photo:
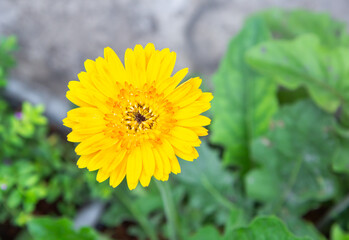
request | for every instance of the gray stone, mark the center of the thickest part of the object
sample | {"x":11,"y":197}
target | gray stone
{"x":89,"y":215}
{"x":56,"y":37}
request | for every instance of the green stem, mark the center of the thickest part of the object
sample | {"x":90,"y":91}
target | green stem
{"x":294,"y":175}
{"x":292,"y":180}
{"x":143,"y":222}
{"x":169,"y":208}
{"x":217,"y":195}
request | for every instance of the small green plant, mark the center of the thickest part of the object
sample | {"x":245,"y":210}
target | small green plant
{"x":37,"y":168}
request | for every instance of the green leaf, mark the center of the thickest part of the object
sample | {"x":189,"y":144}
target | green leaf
{"x":44,"y":228}
{"x":206,"y":233}
{"x":296,"y":153}
{"x":338,"y":234}
{"x":304,"y":62}
{"x":244,"y":102}
{"x":300,"y":227}
{"x":340,"y":159}
{"x":22,"y":218}
{"x":237,"y":219}
{"x":264,"y":228}
{"x":289,"y":24}
{"x":14,"y":199}
{"x":210,"y":189}
{"x":262,"y":177}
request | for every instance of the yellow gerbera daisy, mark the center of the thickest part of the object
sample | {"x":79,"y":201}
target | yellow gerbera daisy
{"x":133,"y":121}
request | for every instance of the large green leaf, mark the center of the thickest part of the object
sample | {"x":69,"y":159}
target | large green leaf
{"x":58,"y":229}
{"x":304,"y":62}
{"x":295,"y":161}
{"x":301,"y":227}
{"x":210,"y":190}
{"x":264,"y":228}
{"x":287,"y":24}
{"x":244,"y":102}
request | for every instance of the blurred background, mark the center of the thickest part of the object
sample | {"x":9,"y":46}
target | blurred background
{"x":56,"y":37}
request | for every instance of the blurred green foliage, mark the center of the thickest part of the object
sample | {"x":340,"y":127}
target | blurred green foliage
{"x":277,"y":170}
{"x":58,"y":229}
{"x":287,"y":133}
{"x":35,"y":167}
{"x":7,"y":47}
{"x":269,"y":228}
{"x":285,"y":24}
{"x":304,"y":62}
{"x":338,"y":234}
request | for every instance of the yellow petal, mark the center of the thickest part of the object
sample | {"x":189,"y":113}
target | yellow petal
{"x":84,"y":114}
{"x":104,"y":80}
{"x":76,"y":137}
{"x":159,"y":168}
{"x":196,"y":121}
{"x":191,"y":110}
{"x":130,"y":66}
{"x":193,"y":95}
{"x":103,"y":158}
{"x":148,"y":159}
{"x":149,"y":51}
{"x":200,"y":131}
{"x":184,"y":133}
{"x":180,"y":92}
{"x":167,"y":66}
{"x":118,"y":174}
{"x":94,"y":143}
{"x":169,"y":85}
{"x":180,"y":144}
{"x":165,"y":159}
{"x":175,"y":165}
{"x":84,"y":160}
{"x":145,"y":179}
{"x":134,"y":168}
{"x":206,"y":97}
{"x":119,"y":157}
{"x":185,"y":156}
{"x":102,"y":175}
{"x":69,"y":122}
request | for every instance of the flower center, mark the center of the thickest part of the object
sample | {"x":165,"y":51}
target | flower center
{"x":139,"y":117}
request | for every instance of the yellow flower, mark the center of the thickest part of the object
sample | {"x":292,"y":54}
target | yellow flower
{"x":135,"y":120}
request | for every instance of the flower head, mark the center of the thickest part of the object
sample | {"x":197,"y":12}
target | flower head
{"x":135,"y":120}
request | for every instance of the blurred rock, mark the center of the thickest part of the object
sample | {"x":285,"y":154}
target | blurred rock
{"x":57,"y":36}
{"x":89,"y":215}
